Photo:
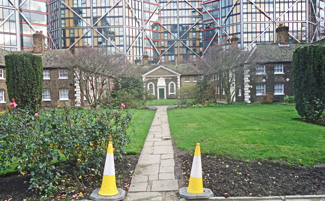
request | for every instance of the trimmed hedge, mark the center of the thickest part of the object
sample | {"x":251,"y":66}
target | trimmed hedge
{"x":309,"y":81}
{"x":24,"y":79}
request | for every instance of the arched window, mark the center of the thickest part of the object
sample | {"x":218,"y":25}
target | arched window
{"x":151,"y":88}
{"x":172,"y":88}
{"x":2,"y":96}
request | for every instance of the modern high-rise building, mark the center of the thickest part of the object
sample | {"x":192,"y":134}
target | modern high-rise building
{"x":173,"y":31}
{"x":19,"y":20}
{"x":255,"y":21}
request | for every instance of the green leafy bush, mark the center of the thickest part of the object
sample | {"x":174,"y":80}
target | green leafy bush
{"x":129,"y":90}
{"x":24,"y":79}
{"x":78,"y":137}
{"x":289,"y":99}
{"x":309,"y":81}
{"x":204,"y":92}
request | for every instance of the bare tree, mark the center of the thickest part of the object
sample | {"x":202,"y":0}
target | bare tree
{"x":94,"y":68}
{"x":225,"y":65}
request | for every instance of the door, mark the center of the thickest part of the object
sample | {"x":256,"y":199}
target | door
{"x":161,"y":93}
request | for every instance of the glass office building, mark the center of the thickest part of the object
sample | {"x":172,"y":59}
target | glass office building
{"x":19,"y":19}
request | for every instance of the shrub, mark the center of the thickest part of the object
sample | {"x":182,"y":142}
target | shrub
{"x":267,"y":98}
{"x":204,"y":92}
{"x":289,"y":99}
{"x":129,"y":90}
{"x":309,"y":81}
{"x":76,"y":136}
{"x":24,"y":79}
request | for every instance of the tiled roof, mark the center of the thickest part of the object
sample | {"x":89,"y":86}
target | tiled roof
{"x":268,"y":53}
{"x":50,"y":57}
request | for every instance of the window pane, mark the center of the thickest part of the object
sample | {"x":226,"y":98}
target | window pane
{"x":260,"y":69}
{"x":46,"y":74}
{"x":63,"y":74}
{"x":278,"y":69}
{"x":46,"y":94}
{"x":260,"y":89}
{"x":2,"y":96}
{"x":279,"y":88}
{"x":1,"y":73}
{"x":64,"y":94}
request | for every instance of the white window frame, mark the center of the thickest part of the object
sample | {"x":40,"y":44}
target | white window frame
{"x":239,"y":91}
{"x":153,"y":88}
{"x":169,"y":91}
{"x":47,"y":75}
{"x":280,"y":88}
{"x":264,"y":89}
{"x":186,"y":79}
{"x":46,"y":99}
{"x":260,"y":73}
{"x":61,"y":94}
{"x":64,"y":75}
{"x":282,"y":69}
{"x":2,"y":76}
{"x":195,"y":78}
{"x":2,"y":94}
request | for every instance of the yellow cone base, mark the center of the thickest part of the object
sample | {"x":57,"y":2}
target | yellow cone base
{"x":195,"y":185}
{"x":108,"y":187}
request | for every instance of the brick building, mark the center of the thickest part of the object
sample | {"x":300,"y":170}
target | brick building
{"x":58,"y":82}
{"x":268,"y":69}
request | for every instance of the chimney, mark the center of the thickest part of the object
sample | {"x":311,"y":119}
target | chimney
{"x":145,"y":61}
{"x":282,"y":34}
{"x":38,"y":42}
{"x":234,"y":41}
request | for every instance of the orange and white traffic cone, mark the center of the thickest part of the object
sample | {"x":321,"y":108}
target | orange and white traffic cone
{"x":108,"y":189}
{"x":195,"y":188}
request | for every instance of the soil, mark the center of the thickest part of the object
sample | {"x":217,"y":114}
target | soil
{"x":16,"y":187}
{"x":319,"y":122}
{"x":224,"y":176}
{"x":230,"y":177}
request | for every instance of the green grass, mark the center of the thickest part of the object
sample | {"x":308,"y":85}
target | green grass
{"x":167,"y":102}
{"x":141,"y":122}
{"x":249,"y":132}
{"x":162,"y":102}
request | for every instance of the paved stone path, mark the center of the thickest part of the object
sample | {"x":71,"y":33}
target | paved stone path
{"x":154,"y":176}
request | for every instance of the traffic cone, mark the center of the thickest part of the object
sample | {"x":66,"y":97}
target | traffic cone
{"x":108,"y":187}
{"x":196,"y":183}
{"x":195,"y":188}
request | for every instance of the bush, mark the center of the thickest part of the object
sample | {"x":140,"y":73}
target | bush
{"x":24,"y":79}
{"x":204,"y":92}
{"x":76,"y":136}
{"x":267,"y":98}
{"x":289,"y":99}
{"x":129,"y":90}
{"x":309,"y":81}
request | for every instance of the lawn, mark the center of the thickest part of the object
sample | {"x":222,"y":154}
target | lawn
{"x":249,"y":132}
{"x":141,"y":122}
{"x":162,"y":102}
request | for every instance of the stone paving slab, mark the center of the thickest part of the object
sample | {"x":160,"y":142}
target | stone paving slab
{"x":154,"y":177}
{"x":164,"y":185}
